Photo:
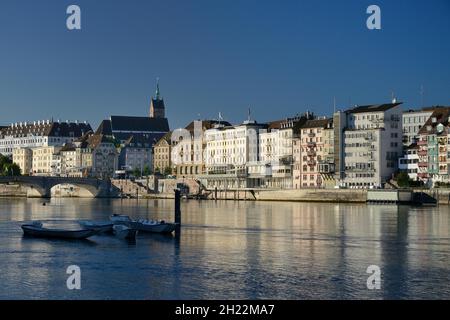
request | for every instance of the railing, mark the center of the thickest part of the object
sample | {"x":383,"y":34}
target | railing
{"x":422,"y":143}
{"x":423,"y":164}
{"x":422,"y":153}
{"x":311,"y":144}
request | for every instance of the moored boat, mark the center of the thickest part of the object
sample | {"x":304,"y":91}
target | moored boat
{"x":124,"y":232}
{"x":100,"y":226}
{"x":153,"y":226}
{"x":37,"y":230}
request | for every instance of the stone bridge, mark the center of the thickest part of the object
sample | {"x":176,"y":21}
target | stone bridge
{"x":41,"y":186}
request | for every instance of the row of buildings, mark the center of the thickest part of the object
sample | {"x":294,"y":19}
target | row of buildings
{"x":359,"y":147}
{"x":71,"y":148}
{"x":362,"y":147}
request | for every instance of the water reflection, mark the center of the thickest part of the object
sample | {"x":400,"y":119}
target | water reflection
{"x":231,"y":250}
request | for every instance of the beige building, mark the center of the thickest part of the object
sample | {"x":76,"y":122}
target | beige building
{"x":23,"y":157}
{"x":314,"y":147}
{"x":162,"y":154}
{"x":188,"y":147}
{"x":44,"y":160}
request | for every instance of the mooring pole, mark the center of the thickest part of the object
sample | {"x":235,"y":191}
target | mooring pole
{"x":177,"y":211}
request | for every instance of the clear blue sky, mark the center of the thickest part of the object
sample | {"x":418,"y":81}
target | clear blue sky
{"x":279,"y":57}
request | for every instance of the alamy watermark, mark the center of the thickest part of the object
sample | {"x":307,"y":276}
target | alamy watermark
{"x":73,"y":21}
{"x":374,"y":280}
{"x":74,"y":280}
{"x":374,"y":20}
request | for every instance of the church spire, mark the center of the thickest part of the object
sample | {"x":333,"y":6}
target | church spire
{"x":157,"y":108}
{"x":157,"y":94}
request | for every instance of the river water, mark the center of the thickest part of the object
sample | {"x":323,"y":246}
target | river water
{"x":231,"y":250}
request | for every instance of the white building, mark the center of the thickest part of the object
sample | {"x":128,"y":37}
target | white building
{"x":370,"y":144}
{"x":38,"y":134}
{"x":412,"y":122}
{"x":409,"y":162}
{"x":228,"y":151}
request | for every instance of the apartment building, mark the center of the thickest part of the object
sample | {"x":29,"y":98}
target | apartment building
{"x":162,"y":151}
{"x":188,"y":147}
{"x":23,"y":157}
{"x":368,"y":143}
{"x":36,"y":134}
{"x":229,"y":152}
{"x":409,"y":162}
{"x":44,"y":160}
{"x":412,"y":122}
{"x":135,"y":154}
{"x":316,"y":161}
{"x":434,"y":148}
{"x":275,"y":160}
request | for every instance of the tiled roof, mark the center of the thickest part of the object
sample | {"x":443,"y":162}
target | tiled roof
{"x":52,"y":129}
{"x":139,"y":124}
{"x":105,"y":128}
{"x":96,"y":139}
{"x":317,"y":123}
{"x":441,"y":115}
{"x":374,"y":107}
{"x":206,"y":124}
{"x":167,"y":137}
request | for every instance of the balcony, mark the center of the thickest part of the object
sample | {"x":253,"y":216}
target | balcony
{"x":311,"y":135}
{"x":422,"y":175}
{"x":311,"y":153}
{"x":422,"y":153}
{"x":422,"y":143}
{"x":311,"y":163}
{"x":423,"y":164}
{"x":311,"y":144}
{"x":325,"y":167}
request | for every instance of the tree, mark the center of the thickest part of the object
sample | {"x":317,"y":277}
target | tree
{"x":136,"y":172}
{"x":11,"y":169}
{"x":4,"y":160}
{"x":403,"y":180}
{"x":147,"y":170}
{"x":167,"y":171}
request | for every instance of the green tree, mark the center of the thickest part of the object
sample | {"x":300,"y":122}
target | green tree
{"x":167,"y":171}
{"x":137,"y":172}
{"x":11,"y":169}
{"x":403,"y":180}
{"x":4,"y":160}
{"x":147,"y":170}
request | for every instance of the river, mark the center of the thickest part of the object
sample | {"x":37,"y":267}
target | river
{"x":231,"y":250}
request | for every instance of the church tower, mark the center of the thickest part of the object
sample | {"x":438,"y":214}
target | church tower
{"x":157,"y":108}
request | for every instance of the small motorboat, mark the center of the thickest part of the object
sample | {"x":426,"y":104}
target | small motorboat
{"x":154,"y":226}
{"x":124,"y":232}
{"x":36,"y":229}
{"x":100,"y":226}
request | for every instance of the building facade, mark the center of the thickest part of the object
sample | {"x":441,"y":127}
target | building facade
{"x":369,"y":143}
{"x":189,"y":146}
{"x":315,"y":161}
{"x":412,"y":122}
{"x":45,"y":133}
{"x":434,"y":148}
{"x":136,"y":154}
{"x":162,"y":152}
{"x":23,"y":157}
{"x":409,"y":162}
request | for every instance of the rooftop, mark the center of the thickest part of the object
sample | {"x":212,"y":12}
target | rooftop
{"x":374,"y":107}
